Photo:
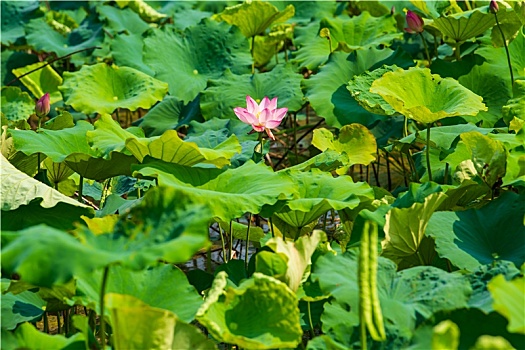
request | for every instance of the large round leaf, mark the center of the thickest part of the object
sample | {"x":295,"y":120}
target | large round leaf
{"x":250,"y":188}
{"x":327,"y":91}
{"x":404,"y":296}
{"x":426,"y":97}
{"x":230,"y":91}
{"x":126,"y":50}
{"x":204,"y":52}
{"x":165,"y":287}
{"x":262,"y":313}
{"x":480,"y":236}
{"x":320,"y":192}
{"x":255,"y":17}
{"x":102,"y":89}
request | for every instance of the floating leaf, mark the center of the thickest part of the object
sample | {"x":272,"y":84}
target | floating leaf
{"x":473,"y":237}
{"x":102,"y":89}
{"x":354,"y":140}
{"x":16,"y":104}
{"x":186,"y":79}
{"x":255,"y":17}
{"x":228,"y":92}
{"x":250,"y":188}
{"x":508,"y":301}
{"x":426,"y":97}
{"x":261,"y":313}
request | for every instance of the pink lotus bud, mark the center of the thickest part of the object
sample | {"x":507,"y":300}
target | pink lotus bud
{"x":43,"y":106}
{"x":414,"y":22}
{"x":494,"y":7}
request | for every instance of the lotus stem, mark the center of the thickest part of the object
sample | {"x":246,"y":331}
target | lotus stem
{"x":271,"y":226}
{"x":46,"y":322}
{"x":102,"y":320}
{"x":247,"y":242}
{"x":506,"y":50}
{"x":445,"y":181}
{"x":223,"y":245}
{"x":80,"y":188}
{"x":428,"y":154}
{"x":457,"y":52}
{"x":295,"y":136}
{"x":231,"y":239}
{"x":253,"y":52}
{"x":426,"y":47}
{"x":312,"y":333}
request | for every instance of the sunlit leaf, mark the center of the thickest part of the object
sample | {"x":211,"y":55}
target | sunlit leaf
{"x":508,"y":301}
{"x":426,"y":97}
{"x":22,"y":307}
{"x":28,"y":336}
{"x":44,"y":80}
{"x":261,"y":313}
{"x":255,"y":17}
{"x":102,"y":89}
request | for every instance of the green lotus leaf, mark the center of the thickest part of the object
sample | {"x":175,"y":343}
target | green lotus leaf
{"x":327,"y":91}
{"x":28,"y":336}
{"x":239,"y":230}
{"x":413,"y":293}
{"x":268,"y":46}
{"x":272,"y":264}
{"x":508,"y":301}
{"x":21,"y":194}
{"x":489,"y":342}
{"x":493,"y":86}
{"x":188,"y":336}
{"x":486,"y":156}
{"x":347,"y":34}
{"x":22,"y":307}
{"x":320,"y":192}
{"x":102,"y":89}
{"x":474,"y":237}
{"x":261,"y":313}
{"x":255,"y":17}
{"x":58,"y":175}
{"x":481,"y":276}
{"x":16,"y":104}
{"x":43,"y":37}
{"x":126,"y":50}
{"x":462,"y":26}
{"x":228,"y":92}
{"x":122,"y":20}
{"x":186,"y":18}
{"x":443,"y":137}
{"x":170,"y":113}
{"x":405,"y":231}
{"x":515,"y":107}
{"x":354,"y":140}
{"x":515,"y":172}
{"x":297,"y":256}
{"x":426,"y":97}
{"x":15,"y":16}
{"x":190,"y":75}
{"x":165,"y":287}
{"x":360,"y":85}
{"x":152,"y":328}
{"x":361,"y":32}
{"x":170,"y":148}
{"x":165,"y":226}
{"x":326,"y":161}
{"x":252,"y":188}
{"x":43,"y":80}
{"x":306,"y":11}
{"x":108,"y":135}
{"x":433,"y":9}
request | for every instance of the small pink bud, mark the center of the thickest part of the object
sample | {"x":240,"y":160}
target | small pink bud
{"x":43,"y":106}
{"x":494,"y":7}
{"x":392,"y":10}
{"x":414,"y":22}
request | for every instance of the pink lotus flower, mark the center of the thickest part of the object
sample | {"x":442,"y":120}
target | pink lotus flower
{"x":43,"y":106}
{"x":262,"y":117}
{"x":414,"y":22}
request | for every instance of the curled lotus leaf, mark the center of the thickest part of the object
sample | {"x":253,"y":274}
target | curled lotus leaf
{"x":426,"y":97}
{"x":102,"y":89}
